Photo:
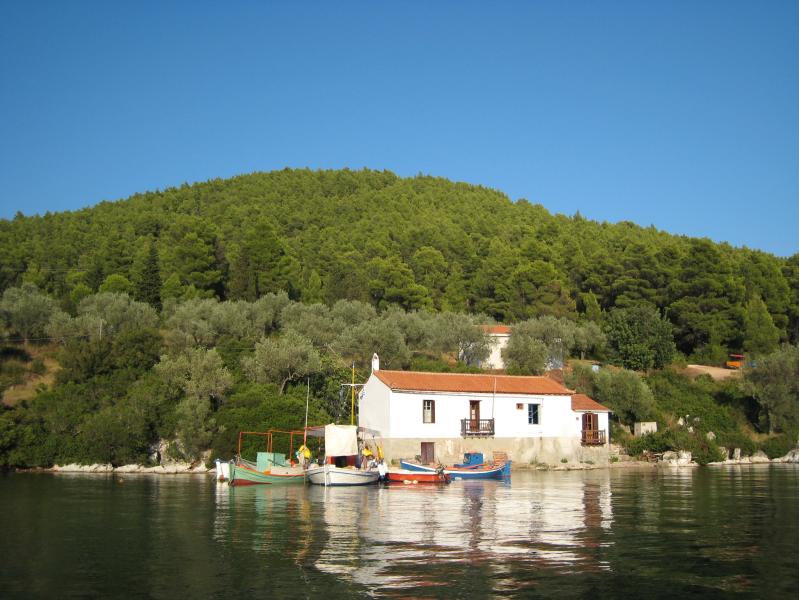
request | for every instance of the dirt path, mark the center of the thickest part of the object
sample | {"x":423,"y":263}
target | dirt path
{"x":716,"y":373}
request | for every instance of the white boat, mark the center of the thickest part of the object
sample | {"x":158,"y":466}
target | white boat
{"x":341,"y":442}
{"x":333,"y":475}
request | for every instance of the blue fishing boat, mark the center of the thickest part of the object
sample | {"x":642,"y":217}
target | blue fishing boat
{"x":473,"y":467}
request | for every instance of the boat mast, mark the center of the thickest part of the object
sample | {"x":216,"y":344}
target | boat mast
{"x":352,"y":407}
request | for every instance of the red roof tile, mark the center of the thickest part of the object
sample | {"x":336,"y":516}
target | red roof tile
{"x":476,"y":383}
{"x":497,"y":329}
{"x":583,"y":402}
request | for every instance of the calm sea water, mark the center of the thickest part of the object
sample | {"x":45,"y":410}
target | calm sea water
{"x":713,"y":532}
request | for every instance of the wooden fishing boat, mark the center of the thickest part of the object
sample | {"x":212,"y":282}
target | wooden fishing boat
{"x":270,"y":467}
{"x":341,"y":451}
{"x":408,"y":476}
{"x":472,"y":468}
{"x":331,"y":475}
{"x":244,"y":472}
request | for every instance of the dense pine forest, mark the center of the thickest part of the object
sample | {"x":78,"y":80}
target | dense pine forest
{"x":188,"y":313}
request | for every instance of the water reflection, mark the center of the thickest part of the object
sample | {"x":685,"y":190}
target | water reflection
{"x":403,"y":537}
{"x":486,"y":538}
{"x":598,"y":533}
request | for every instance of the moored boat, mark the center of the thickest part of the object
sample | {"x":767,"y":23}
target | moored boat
{"x":341,"y":451}
{"x":471,"y":469}
{"x":270,"y":467}
{"x":244,"y":472}
{"x":332,"y":475}
{"x":408,"y":476}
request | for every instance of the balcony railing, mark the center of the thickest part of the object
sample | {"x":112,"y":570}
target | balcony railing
{"x":593,"y":437}
{"x":477,"y":427}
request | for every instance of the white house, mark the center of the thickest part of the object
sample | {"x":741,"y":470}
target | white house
{"x":498,"y":336}
{"x":439,"y":416}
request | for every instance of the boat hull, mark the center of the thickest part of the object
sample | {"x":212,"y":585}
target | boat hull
{"x":244,"y":475}
{"x":475,"y":472}
{"x":407,"y":476}
{"x":330,"y":475}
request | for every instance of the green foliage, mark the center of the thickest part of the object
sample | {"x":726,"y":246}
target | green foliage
{"x":282,"y":360}
{"x":624,"y":392}
{"x":525,"y":355}
{"x":696,"y":401}
{"x":779,"y":445}
{"x":116,"y":284}
{"x":639,"y":337}
{"x":702,"y":451}
{"x":147,"y":278}
{"x":256,"y":407}
{"x":761,"y":336}
{"x":224,"y":262}
{"x":737,"y":439}
{"x":774,"y":382}
{"x":26,"y":311}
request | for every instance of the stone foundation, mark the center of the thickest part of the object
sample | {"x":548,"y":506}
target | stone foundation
{"x":522,"y":451}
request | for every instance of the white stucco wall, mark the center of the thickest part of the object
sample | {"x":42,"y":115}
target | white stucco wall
{"x":405,"y":415}
{"x":498,"y":342}
{"x":373,"y":406}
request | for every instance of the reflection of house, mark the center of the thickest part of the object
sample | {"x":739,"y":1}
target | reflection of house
{"x":498,"y":336}
{"x":439,"y":416}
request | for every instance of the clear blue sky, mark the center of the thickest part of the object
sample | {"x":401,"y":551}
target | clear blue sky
{"x":684,"y":115}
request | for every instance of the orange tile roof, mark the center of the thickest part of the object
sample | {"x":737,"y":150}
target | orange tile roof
{"x":497,"y":329}
{"x":476,"y":383}
{"x":583,"y":402}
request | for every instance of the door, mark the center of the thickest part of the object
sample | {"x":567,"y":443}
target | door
{"x":590,"y":427}
{"x":590,"y":422}
{"x":474,"y":415}
{"x":428,"y":453}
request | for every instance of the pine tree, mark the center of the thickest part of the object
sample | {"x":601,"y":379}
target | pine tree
{"x":761,"y":336}
{"x":148,"y":281}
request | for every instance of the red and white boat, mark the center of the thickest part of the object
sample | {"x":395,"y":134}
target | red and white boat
{"x":408,"y":476}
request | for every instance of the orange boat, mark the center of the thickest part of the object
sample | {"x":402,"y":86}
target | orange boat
{"x":408,"y":476}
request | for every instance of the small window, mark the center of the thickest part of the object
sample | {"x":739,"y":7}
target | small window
{"x":533,"y":414}
{"x":520,"y":407}
{"x":428,"y":411}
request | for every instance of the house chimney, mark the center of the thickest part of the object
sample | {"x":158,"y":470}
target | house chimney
{"x":375,"y":362}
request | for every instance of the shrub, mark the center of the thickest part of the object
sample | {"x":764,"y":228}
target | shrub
{"x":779,"y":445}
{"x":38,"y":367}
{"x":702,"y":450}
{"x":679,"y":395}
{"x":737,"y":439}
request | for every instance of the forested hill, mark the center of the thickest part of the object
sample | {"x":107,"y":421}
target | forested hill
{"x":419,"y":242}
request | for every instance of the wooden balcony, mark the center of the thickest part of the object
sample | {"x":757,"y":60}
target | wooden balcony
{"x":477,"y":427}
{"x":593,"y":437}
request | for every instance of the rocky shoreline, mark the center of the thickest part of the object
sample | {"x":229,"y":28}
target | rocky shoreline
{"x":669,"y":459}
{"x":166,"y":469}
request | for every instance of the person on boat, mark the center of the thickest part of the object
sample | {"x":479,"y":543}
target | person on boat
{"x":368,"y":456}
{"x":303,"y":455}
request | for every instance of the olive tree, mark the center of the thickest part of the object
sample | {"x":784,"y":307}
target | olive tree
{"x":282,"y":360}
{"x":203,"y":381}
{"x":26,"y":310}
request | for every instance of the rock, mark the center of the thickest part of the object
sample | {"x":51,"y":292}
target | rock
{"x":791,"y":457}
{"x":129,"y":469}
{"x":710,"y":436}
{"x":759,"y":457}
{"x":669,"y":456}
{"x":736,"y":454}
{"x":680,"y":421}
{"x":683,"y":457}
{"x":690,"y":429}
